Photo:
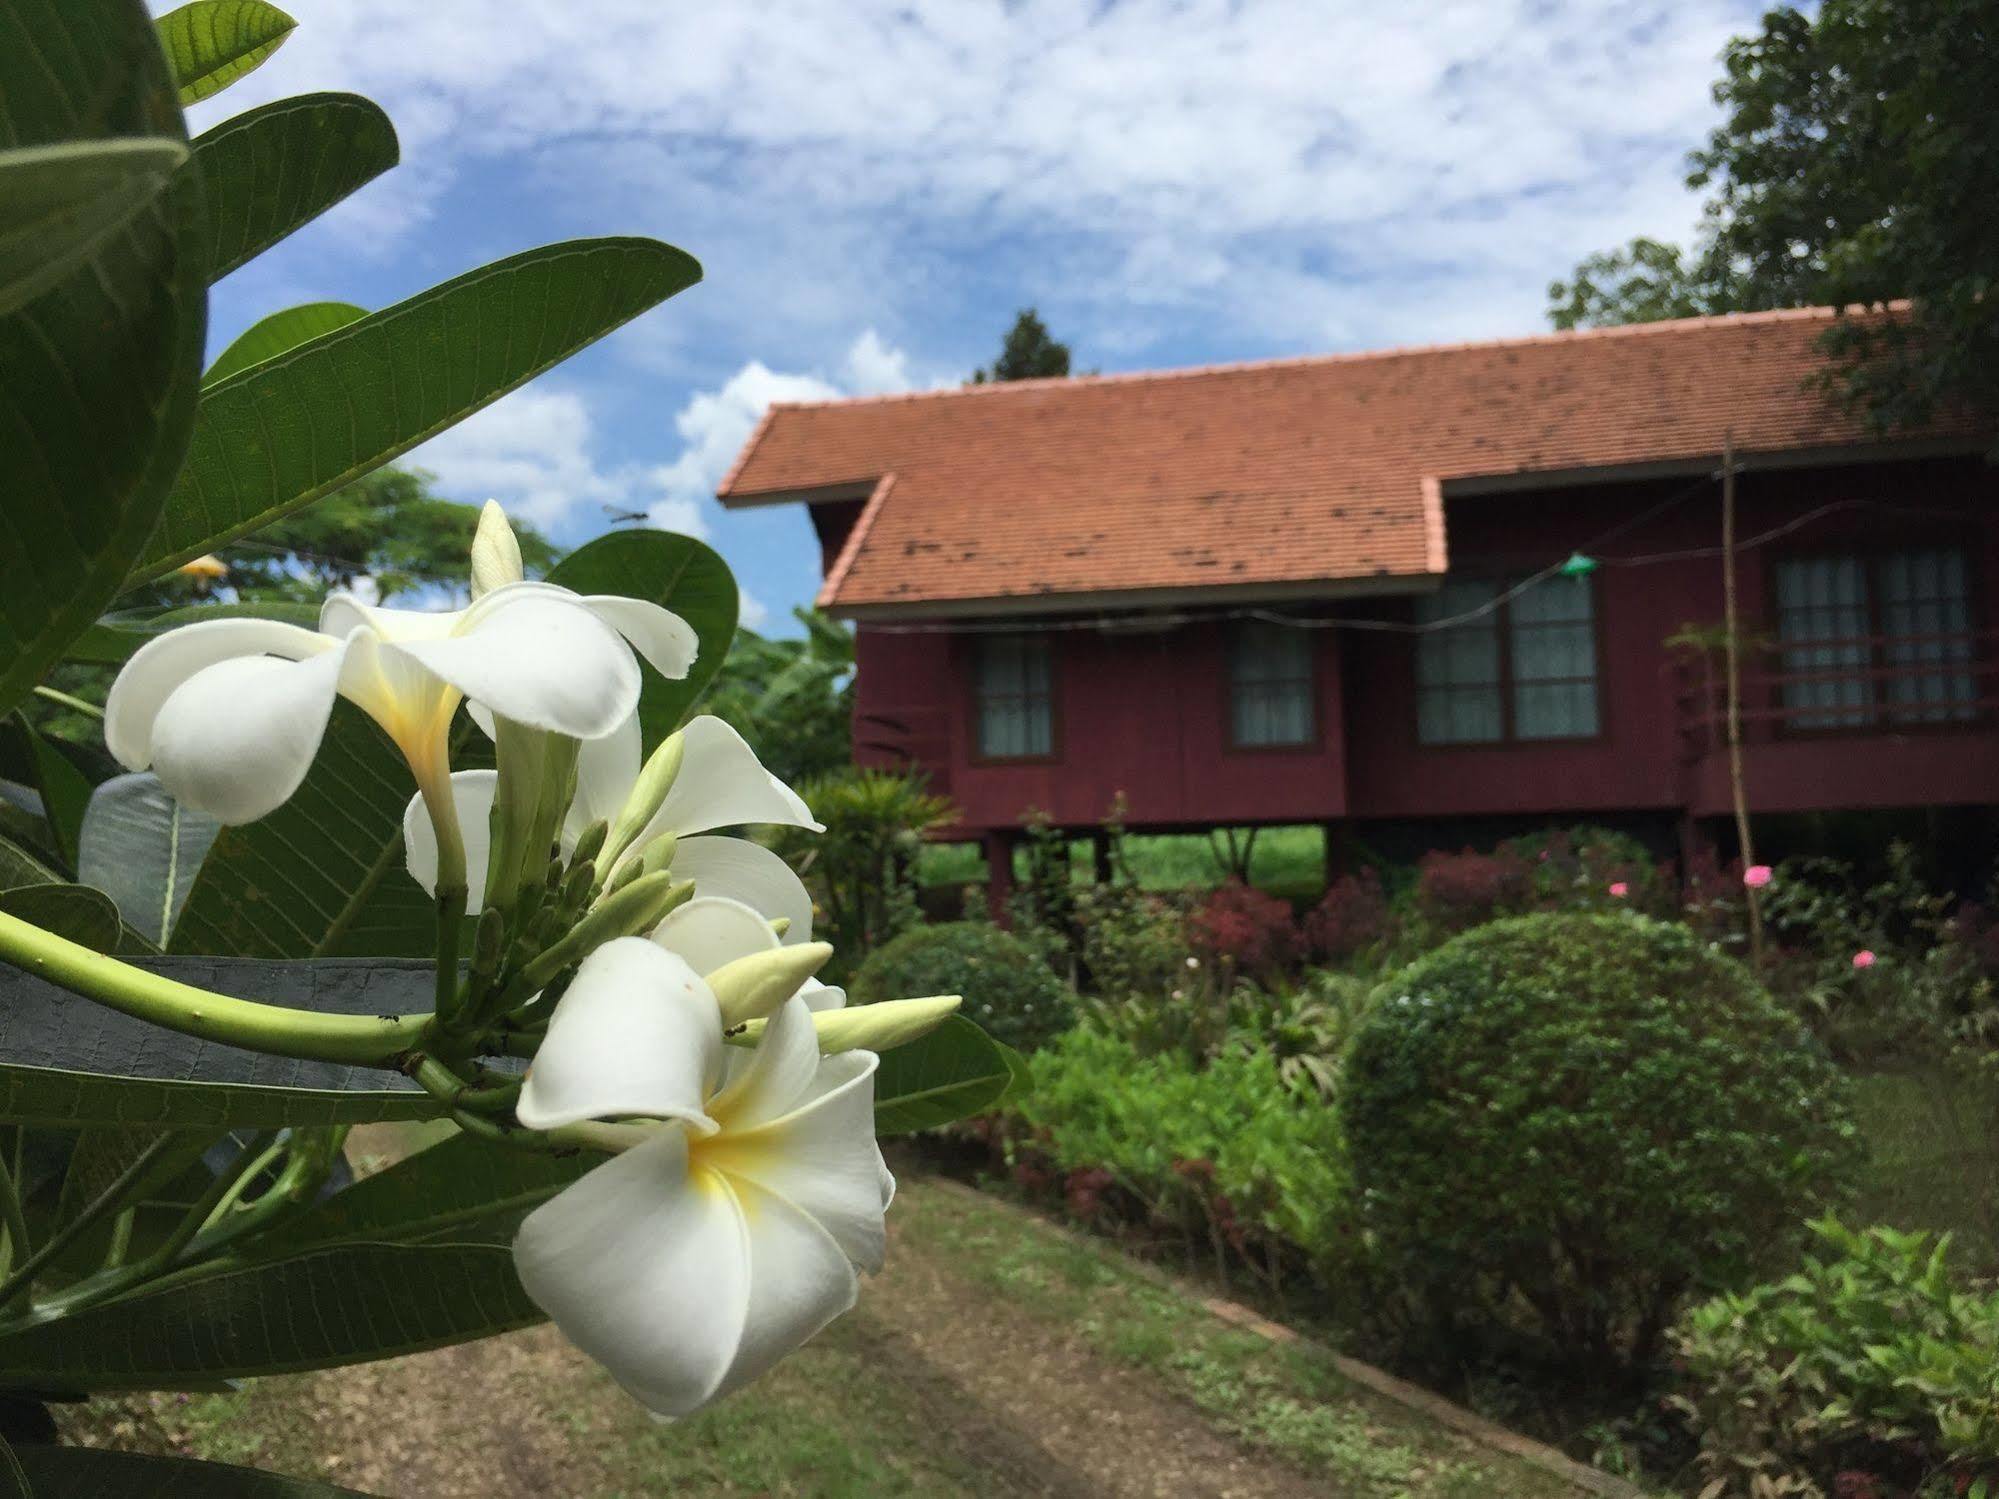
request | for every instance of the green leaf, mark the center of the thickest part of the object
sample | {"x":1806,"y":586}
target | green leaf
{"x":73,"y":911}
{"x":461,"y":1188}
{"x":19,"y":867}
{"x":323,"y":875}
{"x":14,"y":1482}
{"x":58,"y":203}
{"x":113,"y":639}
{"x":65,"y":790}
{"x":285,"y":432}
{"x":105,"y":1474}
{"x":142,"y":848}
{"x":66,"y":1061}
{"x":683,"y":575}
{"x":314,"y":1310}
{"x":102,"y":368}
{"x":271,"y":336}
{"x":273,"y":169}
{"x":212,"y":43}
{"x":954,"y":1072}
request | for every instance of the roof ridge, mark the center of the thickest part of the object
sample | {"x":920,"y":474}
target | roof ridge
{"x":1351,"y":356}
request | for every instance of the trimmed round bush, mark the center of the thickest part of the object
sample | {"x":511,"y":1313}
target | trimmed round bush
{"x":1008,"y":989}
{"x":1562,"y":1125}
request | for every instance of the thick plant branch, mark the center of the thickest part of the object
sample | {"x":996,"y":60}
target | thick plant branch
{"x":365,"y":1040}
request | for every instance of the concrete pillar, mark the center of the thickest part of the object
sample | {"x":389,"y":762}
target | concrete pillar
{"x":999,"y":844}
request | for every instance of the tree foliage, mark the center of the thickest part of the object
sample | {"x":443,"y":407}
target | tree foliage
{"x":1852,"y":168}
{"x":1028,"y":352}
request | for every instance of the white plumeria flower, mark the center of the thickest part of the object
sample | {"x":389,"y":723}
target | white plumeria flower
{"x":229,"y":712}
{"x":721,"y":784}
{"x":731,"y":1230}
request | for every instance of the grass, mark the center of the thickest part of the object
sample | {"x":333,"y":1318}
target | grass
{"x":1284,"y":1399}
{"x":1287,"y":861}
{"x":1931,"y":1161}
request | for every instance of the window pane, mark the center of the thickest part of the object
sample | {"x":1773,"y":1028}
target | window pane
{"x":1926,"y":613}
{"x":1457,"y":669}
{"x":1822,"y":623}
{"x":1015,"y":715}
{"x":1270,"y":684}
{"x":1554,"y":660}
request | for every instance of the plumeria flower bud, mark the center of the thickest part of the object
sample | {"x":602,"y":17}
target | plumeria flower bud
{"x":753,"y":987}
{"x":875,"y":1027}
{"x":648,"y":792}
{"x":730,"y":1232}
{"x":496,"y":552}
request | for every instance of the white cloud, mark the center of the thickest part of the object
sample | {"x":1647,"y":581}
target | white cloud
{"x":535,"y":451}
{"x":752,"y":612}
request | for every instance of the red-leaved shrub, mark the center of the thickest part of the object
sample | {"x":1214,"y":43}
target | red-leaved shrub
{"x":1351,"y":918}
{"x":1249,"y":930}
{"x":1467,"y":889}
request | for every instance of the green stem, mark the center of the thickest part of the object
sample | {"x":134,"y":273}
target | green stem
{"x":24,"y":1276}
{"x":365,"y":1040}
{"x":18,"y":1247}
{"x":69,"y":702}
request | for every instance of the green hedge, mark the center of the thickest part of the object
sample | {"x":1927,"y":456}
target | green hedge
{"x":1008,"y":989}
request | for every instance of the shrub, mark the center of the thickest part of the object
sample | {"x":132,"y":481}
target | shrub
{"x":1305,"y":1031}
{"x":1352,"y":917}
{"x":1221,"y":1149}
{"x":1456,"y":891}
{"x":861,"y":870}
{"x":1008,"y":990}
{"x":1579,"y":868}
{"x":1134,"y":945}
{"x":1250,"y":931}
{"x":1561,"y":1124}
{"x":1867,"y":1367}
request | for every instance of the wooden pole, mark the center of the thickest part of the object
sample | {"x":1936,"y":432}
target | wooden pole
{"x":1732,"y":630}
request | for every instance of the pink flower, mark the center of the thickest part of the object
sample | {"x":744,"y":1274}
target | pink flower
{"x":1619,"y":889}
{"x":1756,"y":876}
{"x":1863,"y":959}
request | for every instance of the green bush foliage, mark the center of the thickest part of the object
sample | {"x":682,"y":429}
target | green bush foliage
{"x":1867,"y":1371}
{"x":1560,"y":1125}
{"x":861,"y":869}
{"x":1223,"y":1149}
{"x":1588,"y":868}
{"x":1008,"y":990}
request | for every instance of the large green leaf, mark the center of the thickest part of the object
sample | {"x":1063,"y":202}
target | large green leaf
{"x":273,"y":169}
{"x":73,"y":911}
{"x":212,"y":43}
{"x":101,"y":1473}
{"x":460,"y":1188}
{"x":282,"y":433}
{"x":58,"y":203}
{"x":112,"y":640}
{"x":19,"y":867}
{"x":323,"y":875}
{"x":269,"y":337}
{"x":101,"y":369}
{"x":66,"y":1061}
{"x":313,"y":1310}
{"x":64,"y":790}
{"x":683,"y":575}
{"x":142,"y":848}
{"x":955,"y":1071}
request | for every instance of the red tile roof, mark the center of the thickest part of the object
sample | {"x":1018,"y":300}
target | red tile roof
{"x":1280,"y":476}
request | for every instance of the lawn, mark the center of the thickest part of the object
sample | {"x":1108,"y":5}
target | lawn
{"x":995,"y":1357}
{"x":1931,"y":1160}
{"x":1288,"y":861}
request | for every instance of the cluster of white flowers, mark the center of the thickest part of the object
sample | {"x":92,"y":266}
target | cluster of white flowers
{"x":747,"y":1189}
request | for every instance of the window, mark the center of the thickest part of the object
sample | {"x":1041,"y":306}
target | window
{"x":1869,"y":637}
{"x":1014,"y":704}
{"x":1270,"y":686}
{"x":1524,"y":668}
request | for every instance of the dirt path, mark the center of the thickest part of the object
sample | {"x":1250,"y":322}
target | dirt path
{"x":990,"y":1360}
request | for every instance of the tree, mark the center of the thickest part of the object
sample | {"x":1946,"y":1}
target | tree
{"x":1028,"y":353}
{"x":1853,"y":168}
{"x":792,"y":700}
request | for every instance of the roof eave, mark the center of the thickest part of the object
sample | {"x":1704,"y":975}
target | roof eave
{"x":1028,"y":606}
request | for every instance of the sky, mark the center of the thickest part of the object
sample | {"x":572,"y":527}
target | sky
{"x":875,"y":189}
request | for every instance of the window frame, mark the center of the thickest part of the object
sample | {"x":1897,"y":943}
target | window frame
{"x":1313,"y":681}
{"x":1506,"y":682}
{"x":1879,"y":715}
{"x":975,"y":698}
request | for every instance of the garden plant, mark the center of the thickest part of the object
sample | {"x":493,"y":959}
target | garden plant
{"x":386,"y":865}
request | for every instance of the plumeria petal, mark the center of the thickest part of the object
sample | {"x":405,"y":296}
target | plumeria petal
{"x":821,"y":1155}
{"x":748,"y":872}
{"x":820,"y":997}
{"x":646,"y":1267}
{"x":548,"y":663}
{"x":666,"y":640}
{"x":160,"y":666}
{"x":342,"y":614}
{"x":800,"y":1280}
{"x":779,"y":1074}
{"x":472,"y":799}
{"x":236,"y":739}
{"x":712,"y":931}
{"x":722,"y":785}
{"x":636,"y":1033}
